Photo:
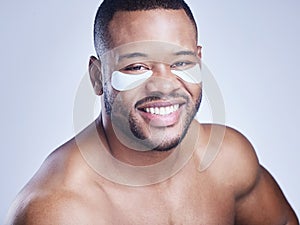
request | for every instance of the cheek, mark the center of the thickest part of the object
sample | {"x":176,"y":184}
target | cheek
{"x":195,"y":91}
{"x":125,"y":100}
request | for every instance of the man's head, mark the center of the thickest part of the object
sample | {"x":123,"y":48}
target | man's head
{"x":108,"y":8}
{"x":134,"y":38}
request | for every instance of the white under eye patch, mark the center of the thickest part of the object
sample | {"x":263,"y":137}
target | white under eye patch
{"x":124,"y":82}
{"x":191,"y":75}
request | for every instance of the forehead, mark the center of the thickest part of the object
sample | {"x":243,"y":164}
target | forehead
{"x":172,"y":26}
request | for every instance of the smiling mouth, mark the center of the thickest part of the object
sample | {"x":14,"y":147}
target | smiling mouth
{"x":161,"y":111}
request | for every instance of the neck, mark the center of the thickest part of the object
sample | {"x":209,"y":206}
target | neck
{"x":145,"y":158}
{"x":126,"y":154}
{"x":138,"y":168}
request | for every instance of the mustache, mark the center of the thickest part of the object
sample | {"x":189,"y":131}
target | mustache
{"x":160,"y":96}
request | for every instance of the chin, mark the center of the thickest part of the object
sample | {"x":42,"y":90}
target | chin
{"x":164,"y":147}
{"x":160,"y":139}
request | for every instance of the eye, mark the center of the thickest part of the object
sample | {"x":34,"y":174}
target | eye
{"x":136,"y":68}
{"x":182,"y":65}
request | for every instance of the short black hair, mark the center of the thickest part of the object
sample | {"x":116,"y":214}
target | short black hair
{"x":108,"y":8}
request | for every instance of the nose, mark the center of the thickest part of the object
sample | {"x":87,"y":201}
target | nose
{"x":162,"y":80}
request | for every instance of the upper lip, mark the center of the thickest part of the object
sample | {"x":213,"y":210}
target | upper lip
{"x":158,"y":103}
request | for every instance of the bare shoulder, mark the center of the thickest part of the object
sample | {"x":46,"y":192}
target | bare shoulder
{"x":62,"y":207}
{"x":63,"y":191}
{"x":245,"y":166}
{"x":258,"y":197}
{"x":230,"y":157}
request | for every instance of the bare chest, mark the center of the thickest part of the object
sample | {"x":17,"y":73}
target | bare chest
{"x":186,"y":205}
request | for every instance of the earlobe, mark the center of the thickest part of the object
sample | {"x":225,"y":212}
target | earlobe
{"x":199,"y":51}
{"x":96,"y":75}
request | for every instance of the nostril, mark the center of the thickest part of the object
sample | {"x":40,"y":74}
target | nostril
{"x":162,"y":84}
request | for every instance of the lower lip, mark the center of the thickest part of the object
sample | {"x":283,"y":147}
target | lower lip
{"x":161,"y":120}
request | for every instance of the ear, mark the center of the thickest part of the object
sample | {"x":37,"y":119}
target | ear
{"x":96,"y":75}
{"x":199,"y":51}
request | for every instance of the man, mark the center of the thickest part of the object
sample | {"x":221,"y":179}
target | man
{"x":145,"y":160}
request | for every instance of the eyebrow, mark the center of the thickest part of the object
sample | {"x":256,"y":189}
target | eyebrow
{"x":132,"y":55}
{"x":143,"y":55}
{"x":185,"y":53}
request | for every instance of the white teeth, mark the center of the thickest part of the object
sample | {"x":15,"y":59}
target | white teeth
{"x":162,"y":110}
{"x":152,"y":111}
{"x":168,"y":109}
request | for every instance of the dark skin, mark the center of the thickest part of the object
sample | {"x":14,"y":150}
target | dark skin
{"x":233,"y":189}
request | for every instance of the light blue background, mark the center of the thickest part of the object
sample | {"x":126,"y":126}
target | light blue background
{"x":250,"y":46}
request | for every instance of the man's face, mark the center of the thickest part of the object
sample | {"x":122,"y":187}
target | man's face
{"x":156,"y":111}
